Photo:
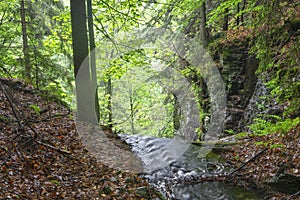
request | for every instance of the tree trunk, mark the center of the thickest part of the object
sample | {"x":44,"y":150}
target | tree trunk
{"x":109,"y":106}
{"x":85,"y":102}
{"x":176,"y":113}
{"x":225,"y":20}
{"x":131,"y":113}
{"x":204,"y":31}
{"x":238,"y":18}
{"x":93,"y":57}
{"x":26,"y":59}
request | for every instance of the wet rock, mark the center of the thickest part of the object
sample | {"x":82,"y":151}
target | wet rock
{"x":286,"y":183}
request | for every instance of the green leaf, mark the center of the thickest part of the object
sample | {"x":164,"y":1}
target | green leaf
{"x":56,"y":182}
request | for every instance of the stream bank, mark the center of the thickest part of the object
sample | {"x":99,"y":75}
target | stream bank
{"x":45,"y":158}
{"x":237,"y":168}
{"x":276,"y":172}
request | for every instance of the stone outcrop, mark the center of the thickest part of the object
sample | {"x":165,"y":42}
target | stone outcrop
{"x":237,"y":68}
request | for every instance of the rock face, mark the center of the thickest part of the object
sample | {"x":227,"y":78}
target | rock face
{"x":237,"y":68}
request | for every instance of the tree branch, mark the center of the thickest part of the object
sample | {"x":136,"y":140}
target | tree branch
{"x":121,"y":13}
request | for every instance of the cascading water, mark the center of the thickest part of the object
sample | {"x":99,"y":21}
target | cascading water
{"x":175,"y":181}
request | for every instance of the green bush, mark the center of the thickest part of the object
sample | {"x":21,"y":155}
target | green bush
{"x":262,"y":127}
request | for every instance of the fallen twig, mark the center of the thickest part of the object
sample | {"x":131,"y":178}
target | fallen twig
{"x":248,"y":161}
{"x":50,"y":117}
{"x":52,"y":147}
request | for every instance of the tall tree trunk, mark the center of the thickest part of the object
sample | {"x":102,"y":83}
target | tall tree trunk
{"x":204,"y":30}
{"x":238,"y":18}
{"x":109,"y":105}
{"x":225,"y":20}
{"x":34,"y":62}
{"x":85,"y":102}
{"x":93,"y":57}
{"x":131,"y":113}
{"x":176,"y":113}
{"x":26,"y":59}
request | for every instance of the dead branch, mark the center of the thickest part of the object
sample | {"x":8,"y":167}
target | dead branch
{"x":248,"y":161}
{"x":11,"y":105}
{"x":53,"y":148}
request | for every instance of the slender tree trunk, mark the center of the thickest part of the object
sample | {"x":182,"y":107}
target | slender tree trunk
{"x":85,"y":102}
{"x":243,"y":8}
{"x":225,"y":20}
{"x":131,"y":113}
{"x":238,"y":18}
{"x":176,"y":113}
{"x":204,"y":30}
{"x":109,"y":106}
{"x":93,"y":57}
{"x":26,"y":59}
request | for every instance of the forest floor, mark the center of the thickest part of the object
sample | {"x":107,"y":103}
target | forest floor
{"x":42,"y":156}
{"x":265,"y":158}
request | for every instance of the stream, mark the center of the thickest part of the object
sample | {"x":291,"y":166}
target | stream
{"x":175,"y":180}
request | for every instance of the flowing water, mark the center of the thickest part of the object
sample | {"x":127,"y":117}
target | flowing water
{"x":175,"y":180}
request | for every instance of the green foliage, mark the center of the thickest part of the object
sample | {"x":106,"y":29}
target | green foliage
{"x":112,"y":17}
{"x":275,"y":41}
{"x":236,"y":157}
{"x":262,"y":127}
{"x":230,"y":131}
{"x":58,"y":90}
{"x":56,"y":182}
{"x":277,"y":48}
{"x":137,"y":101}
{"x":269,"y":25}
{"x":242,"y":135}
{"x":49,"y":36}
{"x":35,"y":108}
{"x":276,"y":145}
{"x":270,"y":144}
{"x":227,"y":7}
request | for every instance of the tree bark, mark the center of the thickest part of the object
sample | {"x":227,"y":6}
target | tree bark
{"x":26,"y":59}
{"x":85,"y":102}
{"x":238,"y":18}
{"x":93,"y":57}
{"x":204,"y":31}
{"x":225,"y":20}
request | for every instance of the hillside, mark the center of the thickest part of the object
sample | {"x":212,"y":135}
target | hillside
{"x":42,"y":157}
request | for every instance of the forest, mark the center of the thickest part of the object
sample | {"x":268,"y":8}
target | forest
{"x":150,"y":99}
